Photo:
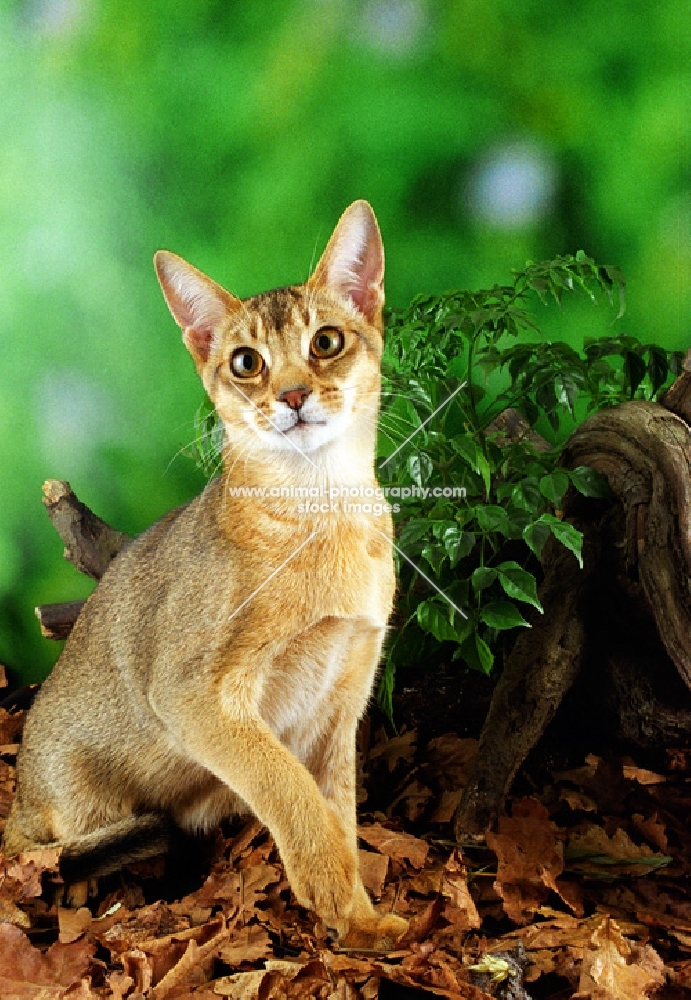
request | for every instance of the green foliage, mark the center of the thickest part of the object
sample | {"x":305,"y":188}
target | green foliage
{"x":468,"y":565}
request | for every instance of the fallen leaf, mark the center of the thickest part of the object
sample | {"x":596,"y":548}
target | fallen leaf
{"x":72,"y":923}
{"x":592,"y":846}
{"x":653,"y":829}
{"x":399,"y":846}
{"x":642,"y":775}
{"x":577,"y":801}
{"x":414,"y":797}
{"x":448,"y":804}
{"x":11,"y":725}
{"x":451,"y":758}
{"x":460,"y":909}
{"x":616,"y":970}
{"x":530,"y":858}
{"x":392,"y":751}
{"x":26,"y":972}
{"x":247,"y":944}
{"x":373,"y":869}
{"x":11,"y":914}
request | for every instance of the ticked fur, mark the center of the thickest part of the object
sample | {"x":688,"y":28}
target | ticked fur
{"x":225,"y":658}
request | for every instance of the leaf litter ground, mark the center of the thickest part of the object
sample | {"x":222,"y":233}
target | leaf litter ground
{"x":583,"y":890}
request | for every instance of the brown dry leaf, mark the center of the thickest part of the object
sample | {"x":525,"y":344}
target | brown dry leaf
{"x":614,"y":970}
{"x":373,"y":871}
{"x":593,"y":841}
{"x":250,"y":831}
{"x":580,"y":775}
{"x":451,"y":758}
{"x":137,"y":968}
{"x":26,"y":973}
{"x":73,"y":923}
{"x":577,"y":801}
{"x":287,"y":979}
{"x":530,"y":858}
{"x":414,"y":797}
{"x":248,"y":944}
{"x":460,"y":909}
{"x":643,"y":776}
{"x":427,"y":882}
{"x":399,"y":748}
{"x":11,"y":914}
{"x":399,"y":846}
{"x":155,"y":921}
{"x":423,"y":922}
{"x":448,"y":804}
{"x":3,"y":676}
{"x":11,"y":725}
{"x":27,"y":870}
{"x":653,"y":829}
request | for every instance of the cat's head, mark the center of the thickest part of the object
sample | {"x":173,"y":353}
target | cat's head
{"x":295,"y":369}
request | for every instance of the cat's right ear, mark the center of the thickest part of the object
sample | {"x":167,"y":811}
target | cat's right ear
{"x":197,"y":303}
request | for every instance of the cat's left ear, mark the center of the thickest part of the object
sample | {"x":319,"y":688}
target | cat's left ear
{"x":352,"y":265}
{"x":199,"y":306}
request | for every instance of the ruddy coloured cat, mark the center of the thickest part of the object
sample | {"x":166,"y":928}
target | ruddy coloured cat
{"x":223,"y":662}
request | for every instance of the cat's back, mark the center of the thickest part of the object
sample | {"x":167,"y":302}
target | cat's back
{"x":154,"y":597}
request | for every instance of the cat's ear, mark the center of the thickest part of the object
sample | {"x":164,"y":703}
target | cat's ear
{"x":352,"y":265}
{"x":197,"y":303}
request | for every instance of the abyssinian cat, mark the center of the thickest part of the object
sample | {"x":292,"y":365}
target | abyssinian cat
{"x":223,"y":662}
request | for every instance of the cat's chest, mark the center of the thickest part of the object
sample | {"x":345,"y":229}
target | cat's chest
{"x":316,"y":677}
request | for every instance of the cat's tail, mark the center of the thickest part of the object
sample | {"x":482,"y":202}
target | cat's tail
{"x":110,"y":848}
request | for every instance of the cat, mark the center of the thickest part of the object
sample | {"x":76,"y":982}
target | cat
{"x":224,"y":661}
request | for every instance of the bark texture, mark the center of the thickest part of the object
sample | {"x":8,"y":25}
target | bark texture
{"x":627,"y":614}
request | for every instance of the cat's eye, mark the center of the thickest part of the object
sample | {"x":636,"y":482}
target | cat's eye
{"x":246,"y":362}
{"x":327,"y":342}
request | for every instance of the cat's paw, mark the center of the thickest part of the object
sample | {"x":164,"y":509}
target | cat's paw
{"x":324,"y":880}
{"x":375,"y":934}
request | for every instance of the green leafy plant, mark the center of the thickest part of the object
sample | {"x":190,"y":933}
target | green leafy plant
{"x":468,"y":565}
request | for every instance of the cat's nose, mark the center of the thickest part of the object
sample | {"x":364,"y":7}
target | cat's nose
{"x":295,"y":397}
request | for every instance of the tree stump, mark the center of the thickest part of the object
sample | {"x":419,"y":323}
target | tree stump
{"x":626,"y":615}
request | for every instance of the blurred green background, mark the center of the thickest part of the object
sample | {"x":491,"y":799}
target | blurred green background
{"x":484,"y":132}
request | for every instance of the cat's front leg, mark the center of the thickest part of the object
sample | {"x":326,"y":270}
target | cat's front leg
{"x":333,"y":763}
{"x":225,"y":734}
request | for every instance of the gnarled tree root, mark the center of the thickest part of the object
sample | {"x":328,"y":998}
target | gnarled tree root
{"x":637,"y":558}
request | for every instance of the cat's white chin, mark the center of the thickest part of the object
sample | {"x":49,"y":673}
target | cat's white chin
{"x":304,"y":436}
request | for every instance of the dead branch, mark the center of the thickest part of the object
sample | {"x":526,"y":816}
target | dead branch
{"x":90,"y":543}
{"x":57,"y":620}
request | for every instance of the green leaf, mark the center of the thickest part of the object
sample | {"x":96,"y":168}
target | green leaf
{"x":435,"y":620}
{"x":526,"y":494}
{"x":590,"y":482}
{"x":535,"y":535}
{"x":435,"y":556}
{"x":570,"y":537}
{"x":483,"y":577}
{"x":458,"y":367}
{"x":502,"y":615}
{"x":473,"y":455}
{"x":518,"y":583}
{"x":413,"y":531}
{"x":477,"y":653}
{"x":492,"y":518}
{"x":634,"y":371}
{"x":420,"y":467}
{"x":658,"y":368}
{"x":554,"y":486}
{"x":453,"y":539}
